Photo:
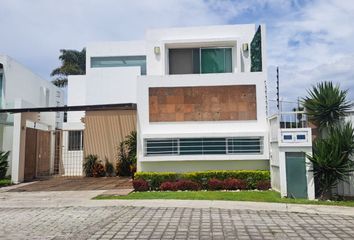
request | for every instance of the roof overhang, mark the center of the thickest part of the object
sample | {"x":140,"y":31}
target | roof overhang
{"x":100,"y":107}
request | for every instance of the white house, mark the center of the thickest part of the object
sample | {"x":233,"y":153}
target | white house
{"x":21,"y":88}
{"x":197,"y":98}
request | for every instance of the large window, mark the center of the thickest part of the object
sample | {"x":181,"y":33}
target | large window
{"x":203,"y":146}
{"x":200,"y":60}
{"x":120,"y":61}
{"x":75,"y":140}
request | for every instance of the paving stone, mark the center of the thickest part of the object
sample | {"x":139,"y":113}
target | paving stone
{"x":168,"y":223}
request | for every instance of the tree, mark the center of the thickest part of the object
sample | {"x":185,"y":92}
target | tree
{"x":331,"y":159}
{"x":326,"y":106}
{"x":73,"y":62}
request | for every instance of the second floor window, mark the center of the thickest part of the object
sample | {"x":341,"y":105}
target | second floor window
{"x":200,"y":60}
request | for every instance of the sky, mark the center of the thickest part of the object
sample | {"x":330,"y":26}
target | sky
{"x":311,"y":41}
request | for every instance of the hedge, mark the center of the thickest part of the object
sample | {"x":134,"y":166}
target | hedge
{"x":252,"y":177}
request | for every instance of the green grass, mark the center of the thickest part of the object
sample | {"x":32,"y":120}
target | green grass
{"x":5,"y":182}
{"x":253,"y":196}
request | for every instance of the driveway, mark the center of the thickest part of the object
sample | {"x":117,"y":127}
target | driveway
{"x":76,"y":184}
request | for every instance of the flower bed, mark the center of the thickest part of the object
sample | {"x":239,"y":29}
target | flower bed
{"x":208,"y":180}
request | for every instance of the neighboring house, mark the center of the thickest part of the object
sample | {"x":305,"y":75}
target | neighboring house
{"x":21,"y":88}
{"x":346,"y":188}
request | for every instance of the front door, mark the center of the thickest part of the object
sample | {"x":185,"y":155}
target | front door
{"x":296,"y":180}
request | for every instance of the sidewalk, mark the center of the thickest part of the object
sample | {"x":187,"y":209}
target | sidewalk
{"x":84,"y":199}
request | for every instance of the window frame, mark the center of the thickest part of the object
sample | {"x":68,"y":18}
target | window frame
{"x":72,"y":147}
{"x":233,"y":59}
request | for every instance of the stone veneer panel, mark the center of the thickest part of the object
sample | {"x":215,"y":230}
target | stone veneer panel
{"x":208,"y":103}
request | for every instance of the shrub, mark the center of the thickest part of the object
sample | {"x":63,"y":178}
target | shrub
{"x":234,"y":184}
{"x":215,"y":184}
{"x":4,"y":164}
{"x":89,"y":165}
{"x":250,"y":176}
{"x":109,"y":168}
{"x":140,"y":185}
{"x":126,"y":164}
{"x":263,"y":185}
{"x":155,"y":178}
{"x":123,"y":163}
{"x":168,"y":186}
{"x":187,"y":185}
{"x":98,"y":170}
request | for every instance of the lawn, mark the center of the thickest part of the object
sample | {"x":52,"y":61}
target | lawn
{"x":253,"y":196}
{"x":5,"y":182}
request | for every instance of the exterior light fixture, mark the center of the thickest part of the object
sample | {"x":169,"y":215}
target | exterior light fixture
{"x":157,"y":50}
{"x":245,"y":47}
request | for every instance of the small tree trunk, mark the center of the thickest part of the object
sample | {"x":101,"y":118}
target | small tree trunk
{"x":326,"y":194}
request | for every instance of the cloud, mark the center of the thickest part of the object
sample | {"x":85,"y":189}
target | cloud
{"x":310,"y":40}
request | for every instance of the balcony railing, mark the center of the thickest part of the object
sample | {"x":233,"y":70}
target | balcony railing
{"x":293,"y":120}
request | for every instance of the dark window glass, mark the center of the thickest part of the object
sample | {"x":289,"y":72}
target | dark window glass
{"x":75,"y":140}
{"x":301,"y":137}
{"x":288,"y":137}
{"x":203,"y":146}
{"x":161,"y":147}
{"x":216,"y":60}
{"x":200,"y":60}
{"x":244,"y":145}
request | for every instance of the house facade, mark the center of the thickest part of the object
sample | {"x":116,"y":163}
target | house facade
{"x":21,"y":88}
{"x":199,"y":92}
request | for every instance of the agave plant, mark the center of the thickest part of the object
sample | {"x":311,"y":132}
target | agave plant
{"x":89,"y":165}
{"x":331,"y":159}
{"x":326,"y":104}
{"x":4,"y":164}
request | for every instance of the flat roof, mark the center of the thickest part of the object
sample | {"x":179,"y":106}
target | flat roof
{"x":99,"y":107}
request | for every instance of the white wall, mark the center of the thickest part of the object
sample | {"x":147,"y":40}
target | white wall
{"x":76,"y":96}
{"x":112,"y":84}
{"x":207,"y":36}
{"x":202,"y":128}
{"x":20,"y":82}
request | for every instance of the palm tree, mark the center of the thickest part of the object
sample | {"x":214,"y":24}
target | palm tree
{"x":326,"y":104}
{"x":73,"y":63}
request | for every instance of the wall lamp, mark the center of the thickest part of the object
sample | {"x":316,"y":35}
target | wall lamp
{"x":157,"y":50}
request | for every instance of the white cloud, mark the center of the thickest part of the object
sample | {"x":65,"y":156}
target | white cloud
{"x":310,"y":41}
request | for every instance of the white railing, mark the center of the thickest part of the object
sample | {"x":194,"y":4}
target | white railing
{"x":293,"y":120}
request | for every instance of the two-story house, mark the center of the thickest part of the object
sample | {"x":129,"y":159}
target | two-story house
{"x":199,"y":93}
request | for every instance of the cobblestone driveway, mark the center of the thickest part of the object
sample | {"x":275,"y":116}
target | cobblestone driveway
{"x":168,"y":223}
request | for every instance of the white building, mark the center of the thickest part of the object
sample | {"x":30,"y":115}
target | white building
{"x":21,"y":88}
{"x":197,"y":98}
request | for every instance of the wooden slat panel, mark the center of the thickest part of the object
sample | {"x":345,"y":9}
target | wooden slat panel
{"x":30,"y":154}
{"x":104,"y":130}
{"x":43,"y":150}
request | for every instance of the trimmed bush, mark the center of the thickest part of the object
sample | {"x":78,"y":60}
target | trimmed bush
{"x":215,"y":184}
{"x":187,"y":185}
{"x":140,"y":185}
{"x":98,"y":170}
{"x":156,"y":178}
{"x":263,"y":185}
{"x":235,"y":184}
{"x":168,"y":186}
{"x":252,"y":177}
